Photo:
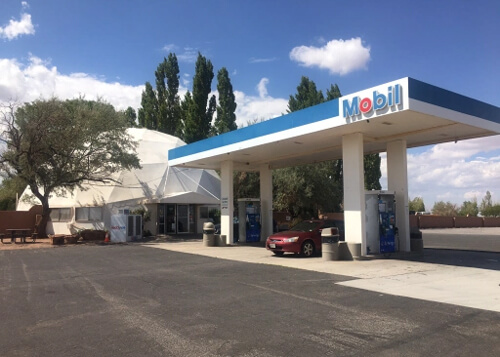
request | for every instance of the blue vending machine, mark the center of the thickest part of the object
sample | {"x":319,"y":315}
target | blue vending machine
{"x":387,"y":232}
{"x":380,"y":221}
{"x":249,"y":220}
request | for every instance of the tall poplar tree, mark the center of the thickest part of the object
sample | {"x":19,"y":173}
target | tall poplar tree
{"x":172,"y":122}
{"x":149,"y":107}
{"x":161,"y":107}
{"x":198,"y":119}
{"x":226,"y":117}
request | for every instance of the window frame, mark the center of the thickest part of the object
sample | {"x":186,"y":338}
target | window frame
{"x":90,"y":214}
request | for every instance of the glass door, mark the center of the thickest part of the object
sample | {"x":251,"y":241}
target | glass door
{"x":161,"y":219}
{"x":171,"y":219}
{"x":182,"y":218}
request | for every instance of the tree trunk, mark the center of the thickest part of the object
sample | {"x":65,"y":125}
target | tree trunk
{"x":42,"y":228}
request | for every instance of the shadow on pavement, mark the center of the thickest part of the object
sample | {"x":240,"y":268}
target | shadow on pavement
{"x":482,"y":260}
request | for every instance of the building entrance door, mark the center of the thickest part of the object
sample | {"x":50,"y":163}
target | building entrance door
{"x":185,"y":219}
{"x":167,"y":219}
{"x":171,"y":218}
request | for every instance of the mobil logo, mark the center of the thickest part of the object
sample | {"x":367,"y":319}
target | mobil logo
{"x":358,"y":106}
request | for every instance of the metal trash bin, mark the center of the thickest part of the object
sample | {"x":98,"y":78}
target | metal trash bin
{"x":208,"y":234}
{"x":330,"y":243}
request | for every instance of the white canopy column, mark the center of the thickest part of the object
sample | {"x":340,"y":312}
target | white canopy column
{"x":354,"y":193}
{"x":397,"y":181}
{"x":266,"y":202}
{"x":227,"y":201}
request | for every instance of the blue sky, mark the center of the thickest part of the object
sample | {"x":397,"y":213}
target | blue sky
{"x":109,"y":48}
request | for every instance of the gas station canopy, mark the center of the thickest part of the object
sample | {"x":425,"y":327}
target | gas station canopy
{"x":407,"y":109}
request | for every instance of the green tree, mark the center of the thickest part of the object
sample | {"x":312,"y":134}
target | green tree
{"x":9,"y":187}
{"x":469,"y":208}
{"x":148,"y":117}
{"x":199,"y":115}
{"x":372,"y":171}
{"x":442,"y":208}
{"x":170,"y":123}
{"x":307,"y":95}
{"x":246,"y":184}
{"x":160,"y":108}
{"x":486,"y":204}
{"x":333,"y":92}
{"x":416,"y":205}
{"x":131,"y":117}
{"x":488,"y":208}
{"x":226,"y":117}
{"x":493,"y":211}
{"x":54,"y":146}
{"x":303,"y":190}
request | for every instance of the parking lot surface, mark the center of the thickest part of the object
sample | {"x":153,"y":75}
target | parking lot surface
{"x":470,"y":279}
{"x":131,"y":300}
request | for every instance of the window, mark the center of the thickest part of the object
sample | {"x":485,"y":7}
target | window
{"x":60,"y":214}
{"x":212,"y":212}
{"x":89,"y":214}
{"x":204,"y":212}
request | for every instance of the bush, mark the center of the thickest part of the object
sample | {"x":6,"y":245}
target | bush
{"x":92,"y":235}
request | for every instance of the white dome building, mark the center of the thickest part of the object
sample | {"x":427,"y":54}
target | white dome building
{"x":178,"y":200}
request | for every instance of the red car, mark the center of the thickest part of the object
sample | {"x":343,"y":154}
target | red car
{"x":304,"y":238}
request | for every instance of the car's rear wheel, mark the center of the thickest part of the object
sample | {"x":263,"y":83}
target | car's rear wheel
{"x":307,"y":249}
{"x":279,"y":254}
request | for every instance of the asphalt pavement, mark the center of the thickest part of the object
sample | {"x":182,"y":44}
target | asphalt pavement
{"x":131,"y":300}
{"x":485,"y":239}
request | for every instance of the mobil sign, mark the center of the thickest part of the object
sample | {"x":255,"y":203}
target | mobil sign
{"x":372,"y":102}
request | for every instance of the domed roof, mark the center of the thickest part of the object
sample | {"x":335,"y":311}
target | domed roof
{"x":155,"y":182}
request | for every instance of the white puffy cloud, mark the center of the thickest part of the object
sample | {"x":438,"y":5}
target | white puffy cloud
{"x":337,"y":56}
{"x":262,"y":87}
{"x":251,"y":109}
{"x":16,"y":28}
{"x":455,"y":172}
{"x":38,"y":79}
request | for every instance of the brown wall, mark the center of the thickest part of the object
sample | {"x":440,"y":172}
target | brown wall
{"x":423,"y":221}
{"x":491,"y":221}
{"x":335,"y":216}
{"x":414,"y":221}
{"x":427,"y":221}
{"x":462,"y":222}
{"x":435,"y":222}
{"x":19,"y":219}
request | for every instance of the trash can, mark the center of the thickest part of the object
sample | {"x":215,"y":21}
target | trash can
{"x":208,"y":234}
{"x":330,"y":243}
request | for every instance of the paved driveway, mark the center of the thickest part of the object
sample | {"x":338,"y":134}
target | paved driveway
{"x":130,"y":300}
{"x":462,"y":278}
